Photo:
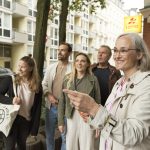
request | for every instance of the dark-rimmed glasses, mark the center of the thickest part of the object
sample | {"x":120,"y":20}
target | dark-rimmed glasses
{"x":123,"y":51}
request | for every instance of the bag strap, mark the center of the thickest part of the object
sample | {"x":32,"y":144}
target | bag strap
{"x":14,"y":85}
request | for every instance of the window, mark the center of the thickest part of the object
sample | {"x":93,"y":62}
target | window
{"x":85,"y":43}
{"x":0,"y":23}
{"x":5,"y":24}
{"x":30,"y":12}
{"x":55,"y":21}
{"x":34,"y":13}
{"x":31,"y":30}
{"x":7,"y":3}
{"x":29,"y":27}
{"x":53,"y":54}
{"x":70,"y":37}
{"x":7,"y":64}
{"x":85,"y":27}
{"x":5,"y":50}
{"x":71,"y":57}
{"x":1,"y":51}
{"x":29,"y":37}
{"x":54,"y":36}
{"x":6,"y":33}
{"x":0,"y":31}
{"x":30,"y":49}
{"x":0,"y":18}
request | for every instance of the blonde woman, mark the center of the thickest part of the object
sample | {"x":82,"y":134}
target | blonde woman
{"x":79,"y":136}
{"x":29,"y":97}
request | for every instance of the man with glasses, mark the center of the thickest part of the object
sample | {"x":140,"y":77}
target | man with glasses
{"x":52,"y":87}
{"x":106,"y":74}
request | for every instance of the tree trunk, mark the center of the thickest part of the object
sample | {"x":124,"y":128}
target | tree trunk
{"x":63,"y":20}
{"x":40,"y":33}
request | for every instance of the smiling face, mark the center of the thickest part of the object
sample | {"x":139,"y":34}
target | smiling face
{"x":81,"y":64}
{"x":126,"y":61}
{"x":23,"y":69}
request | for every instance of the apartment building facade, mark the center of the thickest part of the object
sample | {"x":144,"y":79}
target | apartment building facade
{"x":146,"y":22}
{"x":85,"y":31}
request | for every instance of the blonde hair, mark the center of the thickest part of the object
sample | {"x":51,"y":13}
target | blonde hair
{"x":33,"y":79}
{"x":72,"y":76}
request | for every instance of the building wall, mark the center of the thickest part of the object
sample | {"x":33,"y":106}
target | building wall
{"x":146,"y":27}
{"x":146,"y":32}
{"x":85,"y":31}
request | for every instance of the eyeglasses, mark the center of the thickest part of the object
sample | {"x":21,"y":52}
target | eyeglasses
{"x":123,"y":51}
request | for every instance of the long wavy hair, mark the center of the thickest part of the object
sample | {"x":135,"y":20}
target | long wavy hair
{"x":33,"y":79}
{"x":72,"y":76}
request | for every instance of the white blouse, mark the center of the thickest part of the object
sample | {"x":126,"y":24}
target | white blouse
{"x":27,"y":99}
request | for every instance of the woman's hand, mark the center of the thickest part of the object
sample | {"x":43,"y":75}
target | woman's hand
{"x":52,"y":99}
{"x":83,"y":102}
{"x":16,"y":101}
{"x":61,"y":128}
{"x":84,"y":116}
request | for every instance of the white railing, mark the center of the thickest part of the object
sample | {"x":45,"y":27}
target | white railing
{"x":19,"y":37}
{"x":20,"y":8}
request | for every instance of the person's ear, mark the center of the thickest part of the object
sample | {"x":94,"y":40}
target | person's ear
{"x":139,"y":55}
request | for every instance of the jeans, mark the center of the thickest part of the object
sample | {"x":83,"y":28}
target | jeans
{"x":51,"y":125}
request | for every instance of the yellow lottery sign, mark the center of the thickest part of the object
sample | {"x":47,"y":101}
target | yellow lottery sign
{"x":133,"y":24}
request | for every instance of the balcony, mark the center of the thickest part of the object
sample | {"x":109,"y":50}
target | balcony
{"x":19,"y":37}
{"x":77,"y":47}
{"x":92,"y":34}
{"x":92,"y":19}
{"x":91,"y":50}
{"x":19,"y":9}
{"x":77,"y":30}
{"x":78,"y":14}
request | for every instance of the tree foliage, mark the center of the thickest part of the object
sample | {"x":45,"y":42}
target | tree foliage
{"x":50,"y":9}
{"x":62,"y":7}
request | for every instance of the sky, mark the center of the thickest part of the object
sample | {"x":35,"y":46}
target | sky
{"x":133,"y":4}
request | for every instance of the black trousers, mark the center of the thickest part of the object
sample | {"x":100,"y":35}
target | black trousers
{"x":18,"y":134}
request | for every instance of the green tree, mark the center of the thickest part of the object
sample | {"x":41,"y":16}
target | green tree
{"x":47,"y":8}
{"x":62,"y":7}
{"x":40,"y":33}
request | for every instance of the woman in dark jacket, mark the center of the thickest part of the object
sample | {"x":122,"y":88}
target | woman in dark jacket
{"x":29,"y":97}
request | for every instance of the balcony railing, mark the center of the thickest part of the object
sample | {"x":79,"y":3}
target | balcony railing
{"x":91,"y":50}
{"x":92,"y":19}
{"x":20,"y":9}
{"x":19,"y":37}
{"x":92,"y":34}
{"x":77,"y":47}
{"x":77,"y":30}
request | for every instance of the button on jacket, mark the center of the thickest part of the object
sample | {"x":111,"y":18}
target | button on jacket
{"x":131,"y":129}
